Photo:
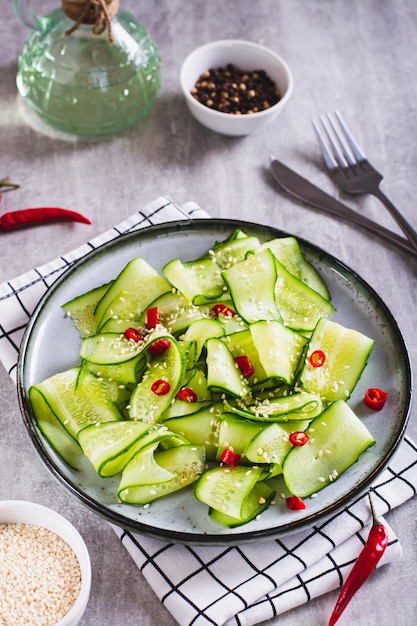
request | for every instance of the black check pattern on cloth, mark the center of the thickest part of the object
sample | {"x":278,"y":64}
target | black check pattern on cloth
{"x":238,"y":585}
{"x":243,"y":585}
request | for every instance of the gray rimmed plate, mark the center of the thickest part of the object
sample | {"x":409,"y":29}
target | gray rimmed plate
{"x":51,"y":344}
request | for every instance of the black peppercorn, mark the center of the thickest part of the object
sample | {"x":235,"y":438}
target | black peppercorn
{"x":231,"y":90}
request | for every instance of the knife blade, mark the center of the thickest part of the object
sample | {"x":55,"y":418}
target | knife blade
{"x":301,"y":188}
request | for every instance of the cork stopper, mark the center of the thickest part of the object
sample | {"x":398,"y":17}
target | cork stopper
{"x":98,"y":13}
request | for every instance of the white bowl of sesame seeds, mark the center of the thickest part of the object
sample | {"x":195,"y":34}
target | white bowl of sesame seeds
{"x":234,"y":87}
{"x":46,"y":570}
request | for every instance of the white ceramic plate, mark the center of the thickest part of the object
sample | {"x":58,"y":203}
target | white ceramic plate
{"x":51,"y":345}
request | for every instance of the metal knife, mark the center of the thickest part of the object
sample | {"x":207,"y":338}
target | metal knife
{"x":302,"y":189}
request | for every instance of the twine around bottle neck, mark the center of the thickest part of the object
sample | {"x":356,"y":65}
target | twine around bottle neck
{"x":96,"y":12}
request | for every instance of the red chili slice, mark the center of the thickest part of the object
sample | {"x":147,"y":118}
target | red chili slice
{"x":295,"y":503}
{"x":375,"y":398}
{"x":152,"y":317}
{"x":317,"y":358}
{"x":159,"y":346}
{"x":187,"y":394}
{"x":299,"y":438}
{"x":223,"y":309}
{"x":245,"y":366}
{"x":132,"y":334}
{"x":161,"y":387}
{"x":230,"y":458}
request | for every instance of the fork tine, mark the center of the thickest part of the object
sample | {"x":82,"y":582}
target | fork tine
{"x":357,"y":152}
{"x":331,"y":163}
{"x":337,"y":142}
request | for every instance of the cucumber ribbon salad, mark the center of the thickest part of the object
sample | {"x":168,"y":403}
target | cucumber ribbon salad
{"x":221,"y":373}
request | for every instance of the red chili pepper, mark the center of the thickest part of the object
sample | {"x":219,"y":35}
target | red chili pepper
{"x":295,"y":503}
{"x":230,"y":458}
{"x":375,"y":398}
{"x":132,"y":334}
{"x":159,"y":346}
{"x":152,"y":317}
{"x":365,"y":564}
{"x":187,"y":394}
{"x":161,"y":387}
{"x":223,"y":309}
{"x":317,"y":358}
{"x":299,"y":438}
{"x":245,"y":366}
{"x":30,"y":217}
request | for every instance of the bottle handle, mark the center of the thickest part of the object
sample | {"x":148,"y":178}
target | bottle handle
{"x":27,"y":16}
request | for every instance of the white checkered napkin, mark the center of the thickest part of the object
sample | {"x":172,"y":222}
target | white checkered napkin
{"x":247,"y":584}
{"x":239,"y":585}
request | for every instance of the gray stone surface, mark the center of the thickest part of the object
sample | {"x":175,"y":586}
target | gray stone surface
{"x":358,"y":56}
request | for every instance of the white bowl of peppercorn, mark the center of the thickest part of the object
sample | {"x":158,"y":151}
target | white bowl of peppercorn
{"x":234,"y":87}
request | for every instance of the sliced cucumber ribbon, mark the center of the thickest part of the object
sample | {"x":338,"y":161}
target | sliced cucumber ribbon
{"x":153,"y":473}
{"x":234,"y":492}
{"x":296,"y":406}
{"x":224,"y":363}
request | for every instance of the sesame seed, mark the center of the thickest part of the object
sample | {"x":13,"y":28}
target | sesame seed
{"x":40,"y":576}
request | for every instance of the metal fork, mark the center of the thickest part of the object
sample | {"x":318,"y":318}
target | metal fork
{"x":351,"y":170}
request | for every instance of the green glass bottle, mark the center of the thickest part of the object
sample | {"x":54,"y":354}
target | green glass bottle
{"x":84,"y":83}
